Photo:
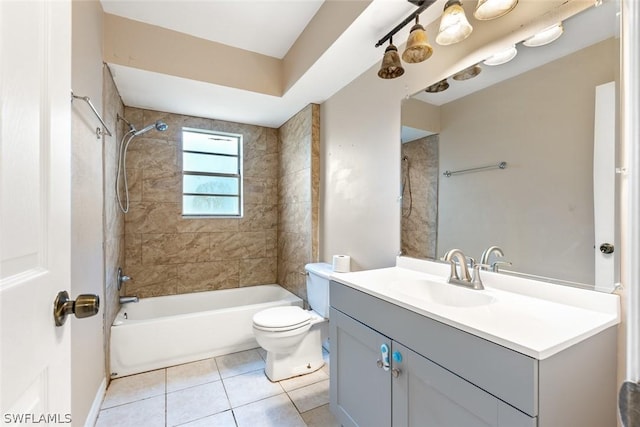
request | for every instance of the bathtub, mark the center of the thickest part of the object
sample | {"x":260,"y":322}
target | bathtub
{"x":165,"y":331}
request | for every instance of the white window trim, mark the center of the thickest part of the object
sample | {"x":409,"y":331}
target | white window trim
{"x":240,"y":175}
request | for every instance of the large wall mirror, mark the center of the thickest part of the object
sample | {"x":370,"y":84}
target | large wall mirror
{"x":506,"y":158}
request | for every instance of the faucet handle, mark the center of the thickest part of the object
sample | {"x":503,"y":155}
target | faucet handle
{"x":495,"y":264}
{"x":476,"y":281}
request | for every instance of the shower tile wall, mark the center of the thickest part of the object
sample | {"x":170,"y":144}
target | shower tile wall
{"x":113,"y":218}
{"x":298,"y":195}
{"x":168,"y":254}
{"x":420,"y":211}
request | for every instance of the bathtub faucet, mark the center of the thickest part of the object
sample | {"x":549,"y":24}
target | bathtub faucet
{"x":125,"y":300}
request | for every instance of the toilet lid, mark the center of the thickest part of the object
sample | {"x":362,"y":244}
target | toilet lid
{"x":281,"y":317}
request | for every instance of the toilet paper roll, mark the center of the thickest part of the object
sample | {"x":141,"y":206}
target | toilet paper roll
{"x":341,"y":263}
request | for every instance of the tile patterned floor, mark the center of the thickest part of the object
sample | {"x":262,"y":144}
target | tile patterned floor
{"x":225,"y":391}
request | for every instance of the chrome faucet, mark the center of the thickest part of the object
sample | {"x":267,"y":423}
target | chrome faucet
{"x":484,"y":259}
{"x":128,"y":299}
{"x":456,"y":257}
{"x":122,"y":278}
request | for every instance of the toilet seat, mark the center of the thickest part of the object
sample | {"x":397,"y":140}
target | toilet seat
{"x":282,"y":319}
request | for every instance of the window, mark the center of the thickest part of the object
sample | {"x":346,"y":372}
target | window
{"x":211,"y":173}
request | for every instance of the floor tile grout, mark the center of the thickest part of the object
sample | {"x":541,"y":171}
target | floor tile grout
{"x":186,"y":377}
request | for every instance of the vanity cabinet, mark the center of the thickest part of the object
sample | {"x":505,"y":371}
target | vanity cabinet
{"x":410,"y":391}
{"x":440,"y":376}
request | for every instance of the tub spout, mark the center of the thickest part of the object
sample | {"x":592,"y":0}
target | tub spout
{"x":125,"y":300}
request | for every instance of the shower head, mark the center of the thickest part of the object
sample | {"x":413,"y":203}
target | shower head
{"x":159,"y":125}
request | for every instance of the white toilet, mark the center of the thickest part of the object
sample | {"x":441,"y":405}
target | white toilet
{"x":292,"y":336}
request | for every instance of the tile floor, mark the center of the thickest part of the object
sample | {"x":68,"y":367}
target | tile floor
{"x":225,"y":391}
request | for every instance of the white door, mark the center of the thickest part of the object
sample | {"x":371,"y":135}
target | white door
{"x":35,"y":79}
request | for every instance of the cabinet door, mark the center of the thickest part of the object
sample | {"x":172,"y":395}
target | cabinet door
{"x":360,"y":391}
{"x":425,"y":394}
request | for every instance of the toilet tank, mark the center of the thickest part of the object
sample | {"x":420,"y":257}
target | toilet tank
{"x":318,"y":287}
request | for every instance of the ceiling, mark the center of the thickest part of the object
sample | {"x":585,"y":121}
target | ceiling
{"x":272,"y":28}
{"x":268,"y":27}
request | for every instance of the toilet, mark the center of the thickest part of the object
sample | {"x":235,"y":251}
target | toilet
{"x":293,"y":337}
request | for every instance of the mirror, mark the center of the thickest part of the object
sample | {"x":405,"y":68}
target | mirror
{"x":535,"y":116}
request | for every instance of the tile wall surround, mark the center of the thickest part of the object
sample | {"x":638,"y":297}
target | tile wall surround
{"x":167,"y":254}
{"x":298,"y":197}
{"x":113,"y":218}
{"x":422,"y":155}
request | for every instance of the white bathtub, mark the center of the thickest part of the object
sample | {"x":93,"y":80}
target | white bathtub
{"x":164,"y":331}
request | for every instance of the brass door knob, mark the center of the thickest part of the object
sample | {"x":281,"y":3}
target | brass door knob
{"x":85,"y":305}
{"x":606,"y":248}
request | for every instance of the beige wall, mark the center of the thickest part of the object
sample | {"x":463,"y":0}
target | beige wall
{"x":298,"y":193}
{"x":168,"y":254}
{"x":419,"y":223}
{"x":113,"y":217}
{"x":420,"y":115}
{"x":87,"y":263}
{"x":147,"y":47}
{"x":541,"y":123}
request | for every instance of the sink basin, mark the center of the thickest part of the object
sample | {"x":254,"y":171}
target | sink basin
{"x":440,"y":293}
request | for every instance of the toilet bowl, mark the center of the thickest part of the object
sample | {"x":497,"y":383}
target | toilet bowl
{"x":292,"y":336}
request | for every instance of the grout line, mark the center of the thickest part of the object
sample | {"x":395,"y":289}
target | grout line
{"x":260,"y":400}
{"x":233,"y":414}
{"x":166,"y":400}
{"x":224,"y":387}
{"x":243,"y":373}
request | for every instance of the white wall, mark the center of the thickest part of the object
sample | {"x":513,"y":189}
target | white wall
{"x":360,"y":174}
{"x":87,"y":265}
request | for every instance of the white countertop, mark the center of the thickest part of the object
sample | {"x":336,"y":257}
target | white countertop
{"x":538,"y":319}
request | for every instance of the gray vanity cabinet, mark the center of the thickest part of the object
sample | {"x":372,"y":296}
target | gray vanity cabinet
{"x":409,"y":391}
{"x":425,"y":394}
{"x":440,"y":376}
{"x":360,"y":390}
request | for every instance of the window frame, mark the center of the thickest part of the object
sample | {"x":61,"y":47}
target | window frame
{"x":239,"y":175}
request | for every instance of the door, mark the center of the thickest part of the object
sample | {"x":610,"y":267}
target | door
{"x":425,"y":394}
{"x":360,"y":386}
{"x":35,"y":75}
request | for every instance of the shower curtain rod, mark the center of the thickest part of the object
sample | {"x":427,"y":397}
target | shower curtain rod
{"x":88,"y":101}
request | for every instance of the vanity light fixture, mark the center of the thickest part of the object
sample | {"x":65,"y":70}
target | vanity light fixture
{"x":545,"y":36}
{"x":418,"y":48}
{"x":454,"y":26}
{"x":467,"y":73}
{"x":441,"y":86}
{"x":502,"y":57}
{"x":492,"y":9}
{"x":391,"y":66}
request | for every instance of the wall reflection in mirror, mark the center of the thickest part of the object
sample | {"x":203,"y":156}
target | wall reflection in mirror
{"x":537,"y":113}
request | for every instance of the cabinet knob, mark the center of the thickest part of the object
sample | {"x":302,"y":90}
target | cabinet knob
{"x":379,"y":363}
{"x":395,"y":372}
{"x":384,"y":352}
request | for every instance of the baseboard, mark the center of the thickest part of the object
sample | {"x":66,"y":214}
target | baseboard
{"x":92,"y":417}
